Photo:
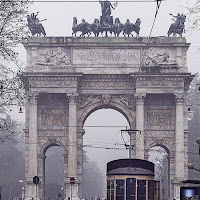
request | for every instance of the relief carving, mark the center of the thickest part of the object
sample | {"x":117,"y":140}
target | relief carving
{"x":159,"y":82}
{"x":165,"y":138}
{"x":106,"y":98}
{"x":53,"y":137}
{"x":83,"y":101}
{"x":55,"y":57}
{"x":106,"y":56}
{"x":53,"y":82}
{"x":159,"y":117}
{"x":54,"y":117}
{"x":127,"y":100}
{"x":107,"y":82}
{"x":154,"y":59}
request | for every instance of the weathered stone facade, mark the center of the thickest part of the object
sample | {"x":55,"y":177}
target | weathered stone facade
{"x":69,"y":78}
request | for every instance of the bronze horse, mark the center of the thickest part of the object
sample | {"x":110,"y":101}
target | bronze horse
{"x":177,"y":28}
{"x":35,"y":28}
{"x":84,"y":27}
{"x":130,"y":27}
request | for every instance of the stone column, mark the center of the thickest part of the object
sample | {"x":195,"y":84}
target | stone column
{"x":32,"y":146}
{"x":171,"y":176}
{"x":80,"y":133}
{"x":140,"y":98}
{"x":179,"y":138}
{"x":72,"y":190}
{"x":41,"y":174}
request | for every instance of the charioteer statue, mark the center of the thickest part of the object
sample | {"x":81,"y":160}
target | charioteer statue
{"x":106,"y":18}
{"x":35,"y":26}
{"x":178,"y":27}
{"x":106,"y":23}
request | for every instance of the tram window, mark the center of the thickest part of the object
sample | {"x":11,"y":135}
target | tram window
{"x":108,"y":184}
{"x":156,"y":190}
{"x":112,"y":184}
{"x":110,"y":189}
{"x":112,"y":195}
{"x":141,"y":189}
{"x":120,"y":189}
{"x":150,"y":190}
{"x":108,"y":194}
{"x":130,"y":188}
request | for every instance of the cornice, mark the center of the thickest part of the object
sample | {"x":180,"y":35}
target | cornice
{"x":107,"y":42}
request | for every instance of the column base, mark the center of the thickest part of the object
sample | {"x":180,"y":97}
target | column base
{"x":73,"y":198}
{"x":72,"y":189}
{"x":177,"y":183}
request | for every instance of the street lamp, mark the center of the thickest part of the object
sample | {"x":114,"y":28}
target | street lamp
{"x":191,"y":166}
{"x":198,"y":142}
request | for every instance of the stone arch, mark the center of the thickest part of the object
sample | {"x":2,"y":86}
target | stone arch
{"x":49,"y":144}
{"x":41,"y":160}
{"x":165,"y":146}
{"x":127,"y":113}
{"x":171,"y":163}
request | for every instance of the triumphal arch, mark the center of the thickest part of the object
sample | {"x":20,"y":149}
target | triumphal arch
{"x":69,"y":78}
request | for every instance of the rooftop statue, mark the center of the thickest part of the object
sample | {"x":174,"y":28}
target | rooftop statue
{"x":106,"y":24}
{"x":106,"y":19}
{"x":178,"y":27}
{"x":34,"y":25}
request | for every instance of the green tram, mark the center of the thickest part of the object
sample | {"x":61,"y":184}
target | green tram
{"x":131,"y":179}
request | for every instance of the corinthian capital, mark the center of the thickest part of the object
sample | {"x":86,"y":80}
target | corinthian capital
{"x":140,"y":97}
{"x":72,"y":98}
{"x":33,"y":97}
{"x":179,"y":98}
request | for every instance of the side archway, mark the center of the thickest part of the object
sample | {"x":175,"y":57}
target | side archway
{"x":44,"y":165}
{"x":160,"y":155}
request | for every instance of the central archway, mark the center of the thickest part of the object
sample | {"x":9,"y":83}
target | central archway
{"x":102,"y":142}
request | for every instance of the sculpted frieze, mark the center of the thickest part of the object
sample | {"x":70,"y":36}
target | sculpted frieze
{"x":159,"y":82}
{"x":105,"y":56}
{"x":53,"y":117}
{"x":159,"y":117}
{"x":53,"y":82}
{"x":155,"y":58}
{"x":107,"y":82}
{"x":55,"y":57}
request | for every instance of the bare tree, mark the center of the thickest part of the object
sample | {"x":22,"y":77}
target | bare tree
{"x":193,"y":13}
{"x":13,"y":31}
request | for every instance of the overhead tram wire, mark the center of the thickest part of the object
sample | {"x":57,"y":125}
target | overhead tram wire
{"x":92,"y":1}
{"x":146,"y":44}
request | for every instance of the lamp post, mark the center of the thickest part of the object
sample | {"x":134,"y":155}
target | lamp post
{"x":198,"y":142}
